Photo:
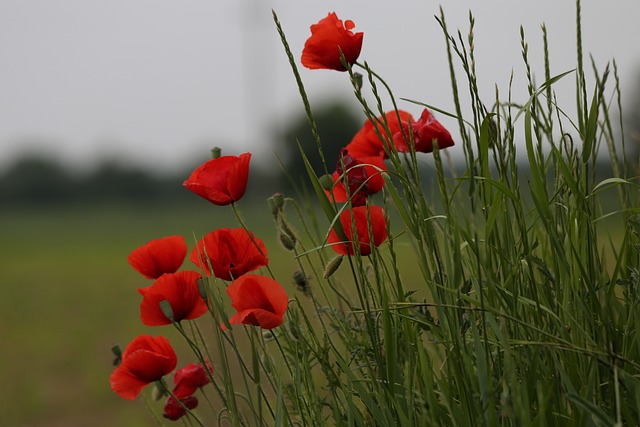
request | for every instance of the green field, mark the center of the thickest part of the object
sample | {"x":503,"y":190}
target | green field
{"x":67,"y":294}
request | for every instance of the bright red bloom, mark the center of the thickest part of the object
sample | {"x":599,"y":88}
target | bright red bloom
{"x":328,"y":38}
{"x":368,"y":143}
{"x":230,"y":253}
{"x":159,"y":256}
{"x":145,"y":360}
{"x":191,"y":378}
{"x":180,"y":290}
{"x":363,"y":178}
{"x":222,"y":180}
{"x":187,"y":380}
{"x":174,"y":411}
{"x":359,"y":238}
{"x":424,"y":132}
{"x":259,"y":300}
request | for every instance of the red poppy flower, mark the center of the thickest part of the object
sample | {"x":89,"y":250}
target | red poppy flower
{"x":180,"y":290}
{"x":259,"y":300}
{"x":187,"y":380}
{"x":424,"y":132}
{"x":367,"y":143}
{"x":174,"y":411}
{"x":145,"y":360}
{"x":222,"y":180}
{"x":359,"y":238}
{"x":190,"y":378}
{"x":328,"y":38}
{"x":159,"y":256}
{"x":230,"y":253}
{"x":363,"y":178}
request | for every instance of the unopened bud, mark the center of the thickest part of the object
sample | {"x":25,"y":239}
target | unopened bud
{"x":202,"y":288}
{"x":278,"y":200}
{"x":216,"y":152}
{"x":294,"y":329}
{"x":272,"y":208}
{"x":332,"y":266}
{"x":268,"y":335}
{"x":167,"y":310}
{"x":288,"y":242}
{"x":302,"y":282}
{"x":326,"y":181}
{"x":357,"y":80}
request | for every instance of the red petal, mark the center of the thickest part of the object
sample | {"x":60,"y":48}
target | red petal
{"x":159,"y":256}
{"x":180,"y":290}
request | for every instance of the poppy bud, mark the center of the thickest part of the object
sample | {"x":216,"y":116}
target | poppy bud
{"x":332,"y":266}
{"x":278,"y":200}
{"x":167,"y":310}
{"x":326,"y":182}
{"x":216,"y":152}
{"x":302,"y":282}
{"x":272,"y":208}
{"x":268,"y":335}
{"x":357,"y":80}
{"x":287,"y":241}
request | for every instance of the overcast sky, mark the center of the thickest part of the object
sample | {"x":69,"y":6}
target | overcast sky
{"x":158,"y":82}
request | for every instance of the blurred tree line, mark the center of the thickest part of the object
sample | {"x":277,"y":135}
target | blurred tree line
{"x":37,"y":180}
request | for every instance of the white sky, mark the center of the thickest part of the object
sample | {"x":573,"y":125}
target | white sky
{"x":159,"y":82}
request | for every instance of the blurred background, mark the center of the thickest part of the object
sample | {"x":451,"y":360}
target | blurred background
{"x":106,"y":107}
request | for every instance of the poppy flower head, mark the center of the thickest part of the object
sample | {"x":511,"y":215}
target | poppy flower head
{"x":259,"y":300}
{"x":221,"y":181}
{"x":362,"y":175}
{"x":423,"y":133}
{"x":190,"y":378}
{"x":368,"y":143}
{"x":187,"y":380}
{"x":230,"y":253}
{"x":174,"y":411}
{"x":180,"y":290}
{"x":358,"y":239}
{"x":159,"y":256}
{"x":329,"y":37}
{"x":145,"y":360}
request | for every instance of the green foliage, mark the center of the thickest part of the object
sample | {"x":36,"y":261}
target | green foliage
{"x":496,"y":300}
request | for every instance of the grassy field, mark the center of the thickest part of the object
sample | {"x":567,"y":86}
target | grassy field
{"x":67,"y":294}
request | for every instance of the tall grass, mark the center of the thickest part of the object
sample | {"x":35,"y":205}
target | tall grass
{"x":514,"y":304}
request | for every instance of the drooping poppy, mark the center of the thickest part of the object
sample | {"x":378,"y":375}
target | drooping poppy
{"x":187,"y":380}
{"x":180,"y":290}
{"x":145,"y":360}
{"x":259,"y":300}
{"x":359,"y":239}
{"x":368,"y":143}
{"x":230,"y":253}
{"x":423,"y":133}
{"x":222,"y":180}
{"x":362,"y":175}
{"x":328,"y":38}
{"x":159,"y":256}
{"x":174,"y":411}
